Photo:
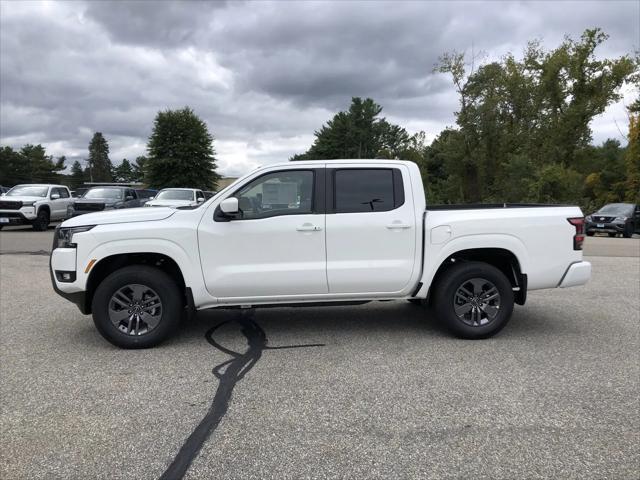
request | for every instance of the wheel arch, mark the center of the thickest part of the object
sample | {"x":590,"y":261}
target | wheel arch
{"x":111,"y":263}
{"x":503,"y":259}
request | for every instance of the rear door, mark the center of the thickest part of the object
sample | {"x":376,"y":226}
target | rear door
{"x":371,"y":229}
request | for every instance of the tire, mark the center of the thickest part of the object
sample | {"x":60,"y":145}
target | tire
{"x":487,"y":280}
{"x":628,"y":231}
{"x":590,"y":234}
{"x":611,"y":234}
{"x":162,"y":319}
{"x":41,"y":223}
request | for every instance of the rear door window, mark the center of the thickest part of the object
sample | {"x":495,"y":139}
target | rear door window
{"x":362,"y":190}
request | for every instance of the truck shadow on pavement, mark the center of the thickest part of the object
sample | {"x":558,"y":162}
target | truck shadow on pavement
{"x":228,"y":373}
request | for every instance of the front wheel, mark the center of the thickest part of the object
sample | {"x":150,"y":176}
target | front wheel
{"x":137,"y":307}
{"x":41,"y":223}
{"x":591,"y":234}
{"x":628,"y":231}
{"x":611,"y":234}
{"x":474,"y":300}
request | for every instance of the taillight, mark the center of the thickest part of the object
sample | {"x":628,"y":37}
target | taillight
{"x":578,"y":238}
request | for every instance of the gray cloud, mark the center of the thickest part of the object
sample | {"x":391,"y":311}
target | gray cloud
{"x":262,"y":75}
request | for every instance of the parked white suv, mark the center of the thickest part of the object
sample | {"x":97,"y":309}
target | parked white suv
{"x":177,"y":197}
{"x":309,"y":232}
{"x":34,"y":204}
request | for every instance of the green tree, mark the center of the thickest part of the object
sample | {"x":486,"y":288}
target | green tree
{"x":181,"y":152}
{"x":138,"y":169}
{"x":123,"y":172}
{"x":30,"y":165}
{"x":100,"y":167}
{"x":77,"y":175}
{"x":519,"y":116}
{"x":632,"y":159}
{"x":357,"y":133}
{"x":13,"y":168}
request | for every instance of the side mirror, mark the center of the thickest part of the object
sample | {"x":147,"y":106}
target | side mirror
{"x":55,"y":196}
{"x":229,"y":206}
{"x":200,"y":200}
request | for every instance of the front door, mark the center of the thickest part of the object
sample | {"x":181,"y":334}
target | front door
{"x":274,"y":247}
{"x":371,"y":230}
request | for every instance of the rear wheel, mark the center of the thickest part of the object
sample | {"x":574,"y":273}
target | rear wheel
{"x":41,"y":223}
{"x":474,"y":300}
{"x":137,"y":307}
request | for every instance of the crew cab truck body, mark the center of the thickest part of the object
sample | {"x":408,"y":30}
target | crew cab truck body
{"x":310,"y":232}
{"x":34,"y":204}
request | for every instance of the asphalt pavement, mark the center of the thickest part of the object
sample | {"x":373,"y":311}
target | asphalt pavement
{"x":372,"y":391}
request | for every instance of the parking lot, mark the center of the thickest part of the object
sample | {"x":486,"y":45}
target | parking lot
{"x":371,"y":391}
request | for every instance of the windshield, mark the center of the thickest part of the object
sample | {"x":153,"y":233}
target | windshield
{"x":27,"y":191}
{"x":175,"y":195}
{"x":619,"y":209}
{"x":104,"y":193}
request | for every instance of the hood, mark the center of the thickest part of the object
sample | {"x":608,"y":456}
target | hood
{"x":21,"y":198}
{"x":170,"y":203}
{"x":124,"y":215}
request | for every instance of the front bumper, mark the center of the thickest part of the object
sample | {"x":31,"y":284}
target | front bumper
{"x":23,"y":216}
{"x":64,"y":260}
{"x":605,"y":227}
{"x":577,"y":274}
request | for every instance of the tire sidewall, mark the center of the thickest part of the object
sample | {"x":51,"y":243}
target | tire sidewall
{"x":452,"y":280}
{"x":154,"y":278}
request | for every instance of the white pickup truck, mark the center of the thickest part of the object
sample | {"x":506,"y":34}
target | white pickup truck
{"x":34,"y":204}
{"x":339,"y":231}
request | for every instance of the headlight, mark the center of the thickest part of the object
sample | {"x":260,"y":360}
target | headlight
{"x":64,"y":236}
{"x":28,"y":204}
{"x":620,"y":219}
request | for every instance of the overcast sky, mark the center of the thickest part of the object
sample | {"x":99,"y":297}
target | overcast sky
{"x":262,"y":75}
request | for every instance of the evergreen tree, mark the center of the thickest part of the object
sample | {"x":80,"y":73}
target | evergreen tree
{"x":138,"y":169}
{"x":77,"y":175}
{"x":123,"y":172}
{"x":357,"y":133}
{"x":100,"y":167}
{"x":181,"y":152}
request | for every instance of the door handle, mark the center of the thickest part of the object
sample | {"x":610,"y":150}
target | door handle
{"x":307,"y":227}
{"x":392,"y":226}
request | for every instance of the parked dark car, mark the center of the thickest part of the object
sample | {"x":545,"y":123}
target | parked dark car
{"x":145,"y":194}
{"x":97,"y":199}
{"x":614,"y":219}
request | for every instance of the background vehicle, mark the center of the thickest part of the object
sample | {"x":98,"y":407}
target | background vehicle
{"x":34,"y":204}
{"x":3,"y":190}
{"x":614,"y":219}
{"x":208,"y":194}
{"x":145,"y":194}
{"x":309,"y":232}
{"x":97,"y":199}
{"x":177,"y":197}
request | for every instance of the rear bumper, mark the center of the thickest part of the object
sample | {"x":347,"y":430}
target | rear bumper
{"x":577,"y":274}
